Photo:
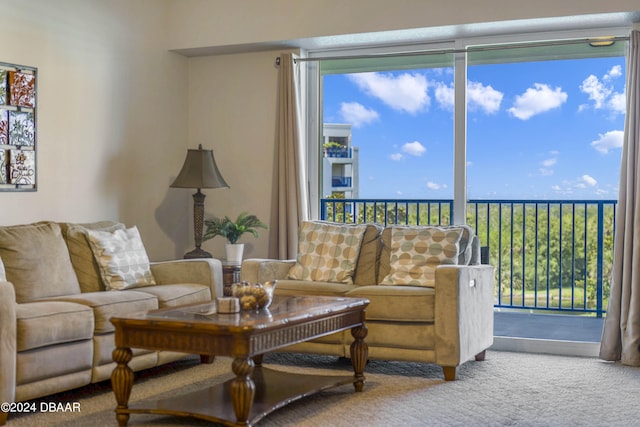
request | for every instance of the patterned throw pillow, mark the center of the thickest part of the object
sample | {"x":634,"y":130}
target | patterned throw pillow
{"x":417,"y":251}
{"x":122,"y":258}
{"x":84,"y":263}
{"x":327,"y":252}
{"x":465,"y":250}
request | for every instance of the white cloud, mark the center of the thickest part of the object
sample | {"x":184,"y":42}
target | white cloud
{"x":597,"y":91}
{"x":608,"y":141}
{"x":479,"y":97}
{"x":618,"y":103}
{"x":396,"y":156}
{"x":581,"y":184}
{"x":357,"y":114}
{"x":536,"y":100}
{"x":483,"y":97}
{"x":615,"y":71}
{"x":587,"y":180}
{"x":435,"y":186}
{"x":405,"y":92}
{"x":414,"y":148}
{"x":566,"y":187}
{"x":549,"y":162}
{"x":444,"y":96}
{"x":601,"y":92}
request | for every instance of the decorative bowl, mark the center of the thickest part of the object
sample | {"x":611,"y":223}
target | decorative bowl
{"x":253,"y":296}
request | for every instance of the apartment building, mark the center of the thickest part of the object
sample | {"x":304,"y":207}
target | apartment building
{"x":340,"y":172}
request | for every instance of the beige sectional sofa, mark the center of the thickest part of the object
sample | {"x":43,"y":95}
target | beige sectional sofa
{"x":436,"y":308}
{"x":60,"y":283}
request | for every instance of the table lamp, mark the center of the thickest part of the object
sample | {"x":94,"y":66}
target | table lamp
{"x":199,"y":171}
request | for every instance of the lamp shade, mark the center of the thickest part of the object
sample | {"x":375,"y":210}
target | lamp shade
{"x":199,"y":171}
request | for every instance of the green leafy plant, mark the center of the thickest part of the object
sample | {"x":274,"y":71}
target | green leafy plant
{"x":232,"y":230}
{"x":332,"y":144}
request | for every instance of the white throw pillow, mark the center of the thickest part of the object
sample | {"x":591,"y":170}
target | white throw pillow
{"x":122,"y":259}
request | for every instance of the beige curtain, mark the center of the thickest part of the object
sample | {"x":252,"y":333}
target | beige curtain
{"x":621,"y":334}
{"x":290,"y":196}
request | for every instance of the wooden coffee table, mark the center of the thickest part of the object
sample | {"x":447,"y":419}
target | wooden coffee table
{"x":246,"y":337}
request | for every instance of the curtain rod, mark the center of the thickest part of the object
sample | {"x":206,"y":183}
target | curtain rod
{"x":594,"y":42}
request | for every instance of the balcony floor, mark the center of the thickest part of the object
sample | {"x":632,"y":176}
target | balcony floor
{"x":547,"y":333}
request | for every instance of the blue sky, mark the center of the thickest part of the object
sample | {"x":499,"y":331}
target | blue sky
{"x":535,"y":130}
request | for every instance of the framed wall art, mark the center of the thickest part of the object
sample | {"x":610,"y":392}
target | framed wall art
{"x":18,"y":130}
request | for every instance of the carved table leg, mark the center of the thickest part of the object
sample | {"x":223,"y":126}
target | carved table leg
{"x":359,"y":355}
{"x":243,"y":389}
{"x":122,"y":381}
{"x":257,"y":360}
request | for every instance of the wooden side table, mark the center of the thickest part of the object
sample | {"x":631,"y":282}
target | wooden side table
{"x":230,"y":275}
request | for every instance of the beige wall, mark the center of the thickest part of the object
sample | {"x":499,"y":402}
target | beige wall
{"x":232,"y":109}
{"x":200,"y":23}
{"x":112,"y":114}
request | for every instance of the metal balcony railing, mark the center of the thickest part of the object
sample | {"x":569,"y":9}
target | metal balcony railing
{"x":341,"y":181}
{"x":553,"y":255}
{"x":342,"y":152}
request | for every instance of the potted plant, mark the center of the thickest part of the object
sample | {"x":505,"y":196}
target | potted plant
{"x":232,"y":231}
{"x":333,"y":149}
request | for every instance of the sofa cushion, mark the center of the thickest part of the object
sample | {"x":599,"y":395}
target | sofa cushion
{"x":122,"y":258}
{"x":51,"y":369}
{"x":178,"y":294}
{"x":45,"y":323}
{"x":402,"y":341}
{"x":36,"y":261}
{"x":108,"y":304}
{"x":327,"y":252}
{"x":397,"y":303}
{"x":84,"y":263}
{"x":289,"y":287}
{"x":416,"y":252}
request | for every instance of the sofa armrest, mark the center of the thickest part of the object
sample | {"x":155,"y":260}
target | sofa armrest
{"x":259,"y":270}
{"x":463,"y":312}
{"x":205,"y":271}
{"x":8,"y":342}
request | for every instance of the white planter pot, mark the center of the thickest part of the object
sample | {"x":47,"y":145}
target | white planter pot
{"x":234,"y":253}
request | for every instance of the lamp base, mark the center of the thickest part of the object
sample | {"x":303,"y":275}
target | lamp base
{"x":197,"y":253}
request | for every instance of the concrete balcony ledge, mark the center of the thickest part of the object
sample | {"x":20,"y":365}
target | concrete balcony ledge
{"x":567,"y":335}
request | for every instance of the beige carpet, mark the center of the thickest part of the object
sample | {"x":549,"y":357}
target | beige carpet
{"x":513,"y":389}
